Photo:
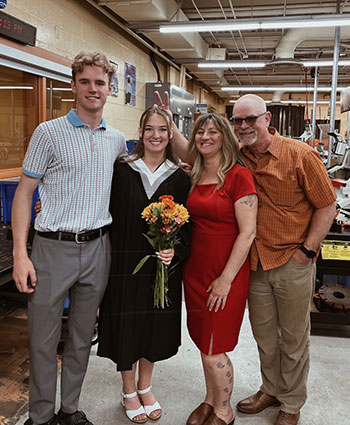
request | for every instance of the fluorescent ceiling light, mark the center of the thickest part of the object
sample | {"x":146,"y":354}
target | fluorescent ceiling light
{"x":233,"y":64}
{"x":68,"y":100}
{"x":307,"y":21}
{"x":204,"y":27}
{"x":310,"y":63}
{"x":16,"y":88}
{"x":266,"y":101}
{"x":59,"y":88}
{"x":277,"y":88}
{"x":302,"y":102}
{"x":261,"y":64}
{"x":323,"y":102}
{"x":302,"y":23}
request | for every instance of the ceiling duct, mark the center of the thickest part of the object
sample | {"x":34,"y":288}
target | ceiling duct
{"x":142,"y":10}
{"x":281,"y":63}
{"x":276,"y":97}
{"x":293,"y":37}
{"x":187,"y":45}
{"x":216,"y":54}
{"x":284,"y":56}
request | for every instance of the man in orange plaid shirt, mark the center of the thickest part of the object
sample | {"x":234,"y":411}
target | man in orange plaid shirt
{"x":296,"y":210}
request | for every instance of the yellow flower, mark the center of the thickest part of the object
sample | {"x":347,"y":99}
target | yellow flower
{"x":182,"y":213}
{"x":165,"y":219}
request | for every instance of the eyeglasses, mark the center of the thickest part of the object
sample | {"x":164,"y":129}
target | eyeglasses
{"x":251,"y":120}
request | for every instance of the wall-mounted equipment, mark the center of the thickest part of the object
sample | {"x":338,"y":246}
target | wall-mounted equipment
{"x":181,"y":104}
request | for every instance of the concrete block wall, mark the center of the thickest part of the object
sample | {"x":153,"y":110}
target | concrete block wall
{"x":66,"y":27}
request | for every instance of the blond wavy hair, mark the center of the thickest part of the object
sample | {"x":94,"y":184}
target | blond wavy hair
{"x":230,"y":152}
{"x":84,"y":59}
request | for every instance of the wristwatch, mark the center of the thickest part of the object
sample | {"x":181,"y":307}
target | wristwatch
{"x":308,"y":252}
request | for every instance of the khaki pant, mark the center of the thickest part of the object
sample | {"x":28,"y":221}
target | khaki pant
{"x":279,"y":312}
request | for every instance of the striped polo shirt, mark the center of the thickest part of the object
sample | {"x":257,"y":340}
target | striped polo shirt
{"x":75,"y":167}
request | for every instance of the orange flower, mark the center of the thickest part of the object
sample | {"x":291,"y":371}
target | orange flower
{"x":168,"y":202}
{"x":161,"y":198}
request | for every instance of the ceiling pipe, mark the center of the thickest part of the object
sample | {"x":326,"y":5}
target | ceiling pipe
{"x":307,"y":8}
{"x":314,"y":107}
{"x":334,"y":88}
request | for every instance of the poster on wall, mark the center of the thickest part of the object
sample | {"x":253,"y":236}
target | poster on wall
{"x":130,"y":84}
{"x":115,"y":88}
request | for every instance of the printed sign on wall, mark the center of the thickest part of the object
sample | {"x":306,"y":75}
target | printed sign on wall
{"x":115,"y":82}
{"x":130,"y":84}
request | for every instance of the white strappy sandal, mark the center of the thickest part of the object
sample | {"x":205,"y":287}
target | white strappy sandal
{"x":153,"y":407}
{"x":131,"y":414}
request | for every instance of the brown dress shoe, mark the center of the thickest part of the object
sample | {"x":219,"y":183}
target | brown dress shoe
{"x":200,"y":414}
{"x":215,"y":420}
{"x":285,"y":418}
{"x":257,"y":402}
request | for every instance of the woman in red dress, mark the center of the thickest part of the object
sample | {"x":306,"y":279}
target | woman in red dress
{"x":222,"y":206}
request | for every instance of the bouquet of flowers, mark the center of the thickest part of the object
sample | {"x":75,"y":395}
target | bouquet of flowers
{"x":165,"y":219}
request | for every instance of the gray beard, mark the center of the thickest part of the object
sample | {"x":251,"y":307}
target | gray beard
{"x":250,"y":142}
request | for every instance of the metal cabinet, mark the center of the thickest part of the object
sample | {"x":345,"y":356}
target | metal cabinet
{"x":181,"y":104}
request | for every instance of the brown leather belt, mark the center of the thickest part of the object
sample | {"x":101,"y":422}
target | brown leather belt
{"x":80,"y":237}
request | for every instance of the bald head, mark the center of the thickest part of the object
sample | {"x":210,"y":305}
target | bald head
{"x":251,"y":121}
{"x":255,"y":103}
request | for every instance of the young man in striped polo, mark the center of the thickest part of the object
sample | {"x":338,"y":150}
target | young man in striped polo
{"x":71,"y":159}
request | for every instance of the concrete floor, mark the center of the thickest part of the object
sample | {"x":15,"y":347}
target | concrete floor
{"x":178,"y":383}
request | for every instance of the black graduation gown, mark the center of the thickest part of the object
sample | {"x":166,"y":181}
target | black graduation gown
{"x":129,"y":326}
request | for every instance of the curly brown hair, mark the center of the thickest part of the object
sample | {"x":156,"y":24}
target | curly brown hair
{"x":84,"y":59}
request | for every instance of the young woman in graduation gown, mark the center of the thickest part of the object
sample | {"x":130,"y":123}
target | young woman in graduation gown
{"x":132,"y":332}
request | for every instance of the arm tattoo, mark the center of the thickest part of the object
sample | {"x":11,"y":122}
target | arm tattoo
{"x":226,"y":390}
{"x":224,"y":403}
{"x":220,"y":365}
{"x":249,"y":201}
{"x":228,"y":374}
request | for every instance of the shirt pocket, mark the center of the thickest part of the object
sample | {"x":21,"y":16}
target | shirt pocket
{"x":284,"y":193}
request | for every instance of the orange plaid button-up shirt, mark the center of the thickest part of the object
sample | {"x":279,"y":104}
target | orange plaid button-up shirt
{"x":291,"y":182}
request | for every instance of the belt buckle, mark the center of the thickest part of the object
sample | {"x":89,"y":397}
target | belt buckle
{"x":77,"y":235}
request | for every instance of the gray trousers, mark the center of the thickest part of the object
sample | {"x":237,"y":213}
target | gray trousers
{"x":63,"y":267}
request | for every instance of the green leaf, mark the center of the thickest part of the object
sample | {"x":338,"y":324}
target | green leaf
{"x":150,"y":240}
{"x":141,"y":263}
{"x":157,"y":212}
